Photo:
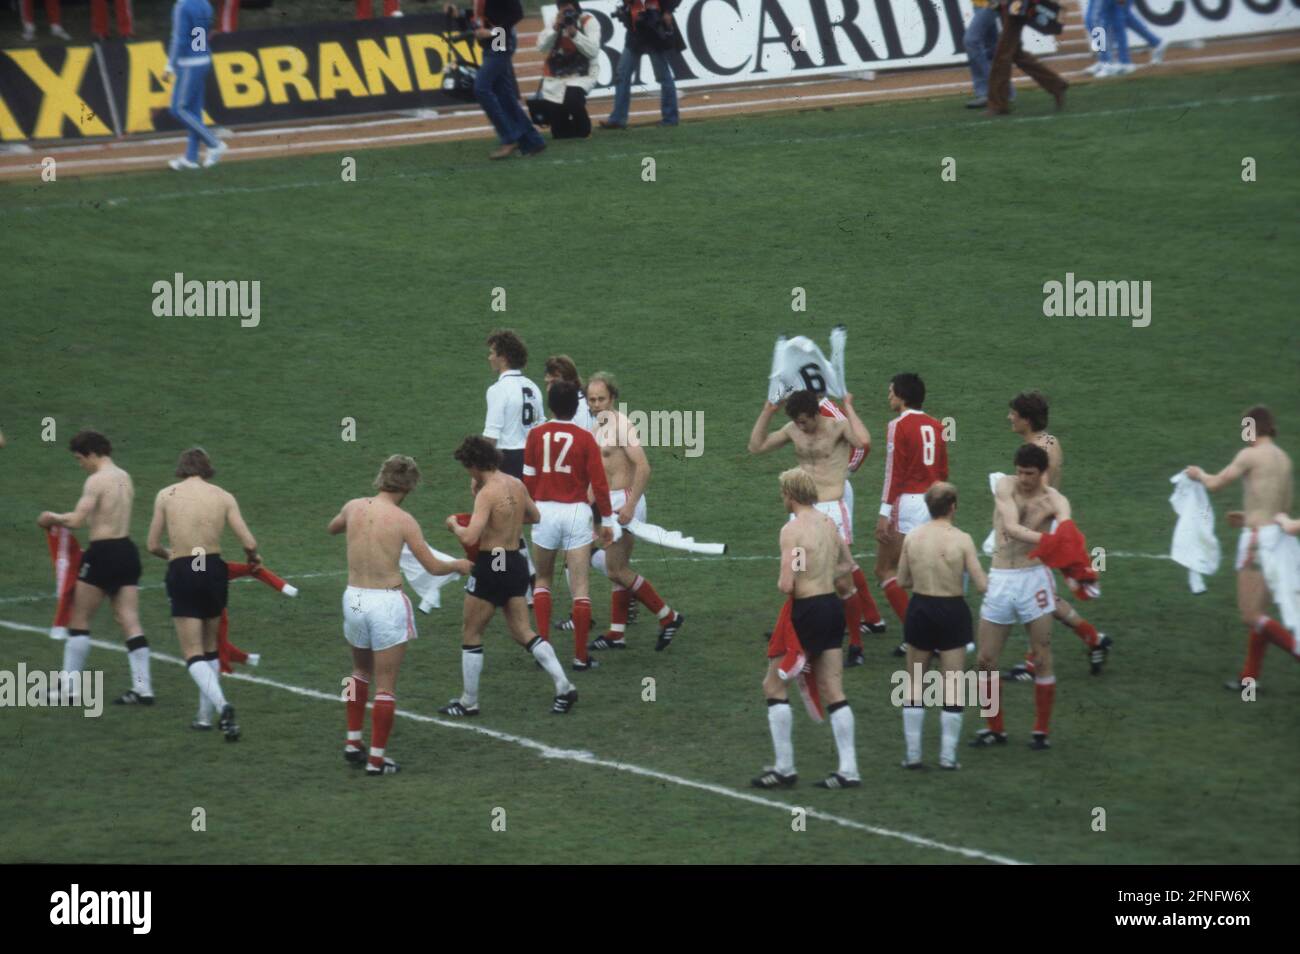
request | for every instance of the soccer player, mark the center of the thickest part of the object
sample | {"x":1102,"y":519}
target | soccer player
{"x":499,"y":577}
{"x":822,"y":445}
{"x":561,"y":463}
{"x":193,"y":513}
{"x":514,"y":403}
{"x":935,"y":558}
{"x":109,"y":567}
{"x":814,"y":558}
{"x":628,"y":470}
{"x":916,"y":457}
{"x":189,"y":60}
{"x":1266,"y":474}
{"x":871,"y":619}
{"x":377,"y":617}
{"x":1028,"y":417}
{"x":1021,"y":589}
{"x":560,"y":367}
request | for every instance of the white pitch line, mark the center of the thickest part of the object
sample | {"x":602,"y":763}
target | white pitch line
{"x":583,"y":757}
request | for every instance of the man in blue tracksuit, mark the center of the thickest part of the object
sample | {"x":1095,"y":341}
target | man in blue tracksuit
{"x":189,"y":60}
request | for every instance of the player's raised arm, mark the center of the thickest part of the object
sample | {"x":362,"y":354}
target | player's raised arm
{"x":414,"y":539}
{"x":789,"y":553}
{"x":237,"y":524}
{"x":760,"y":441}
{"x":973,"y":566}
{"x":78,"y":515}
{"x":340,"y":521}
{"x":857,"y":434}
{"x":154,"y":543}
{"x":1238,"y":468}
{"x":1005,"y":504}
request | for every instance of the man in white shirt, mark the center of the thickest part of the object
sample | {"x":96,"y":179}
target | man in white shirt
{"x":571,"y":47}
{"x":560,"y":367}
{"x":514,"y":402}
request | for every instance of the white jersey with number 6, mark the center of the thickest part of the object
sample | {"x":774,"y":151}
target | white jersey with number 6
{"x":514,"y":406}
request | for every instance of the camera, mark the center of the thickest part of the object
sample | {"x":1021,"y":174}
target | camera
{"x":568,"y":18}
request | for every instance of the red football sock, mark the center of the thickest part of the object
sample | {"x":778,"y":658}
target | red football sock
{"x":1044,"y":695}
{"x":356,"y":707}
{"x":227,"y":652}
{"x":542,"y":611}
{"x":644,"y":592}
{"x":381,"y":723}
{"x":1276,"y":633}
{"x":269,"y":578}
{"x":619,"y":600}
{"x":1256,"y":643}
{"x":1087,"y":632}
{"x":870,"y":612}
{"x":995,"y":699}
{"x":897,"y":597}
{"x":581,"y":625}
{"x":852,"y":616}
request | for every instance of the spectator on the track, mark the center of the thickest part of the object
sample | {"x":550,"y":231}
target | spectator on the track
{"x":1014,"y":15}
{"x":1115,"y":18}
{"x":981,"y":40}
{"x":571,"y":46}
{"x":650,"y":29}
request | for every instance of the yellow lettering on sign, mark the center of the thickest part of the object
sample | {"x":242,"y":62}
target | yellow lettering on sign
{"x":338,"y":73}
{"x":388,"y":64}
{"x":9,"y":128}
{"x":419,"y":45}
{"x":285,"y":66}
{"x":237,"y":78}
{"x":146,"y":90}
{"x":59,"y":97}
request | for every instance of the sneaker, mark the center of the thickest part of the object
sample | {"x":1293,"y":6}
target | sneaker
{"x":200,"y":726}
{"x":458,"y":709}
{"x":875,"y":628}
{"x":353,"y":755}
{"x":1158,"y":53}
{"x":388,"y":768}
{"x":1020,"y":672}
{"x":180,"y":163}
{"x":1124,"y":69}
{"x":900,"y":650}
{"x":914,"y":766}
{"x":986,"y":737}
{"x":580,"y":666}
{"x":254,"y":659}
{"x":133,"y":698}
{"x":1098,"y":654}
{"x":214,"y":154}
{"x":836,"y":780}
{"x":565,"y":702}
{"x":771,"y":778}
{"x":58,"y":32}
{"x":227,"y":723}
{"x":1107,"y":70}
{"x":607,"y":642}
{"x":669,"y":630}
{"x":950,"y":765}
{"x":1095,"y":69}
{"x":856,"y":657}
{"x":29,"y":32}
{"x":1039,"y":741}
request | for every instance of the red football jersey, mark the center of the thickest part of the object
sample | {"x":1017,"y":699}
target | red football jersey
{"x":916,"y":457}
{"x":832,"y":410}
{"x":561,"y":460}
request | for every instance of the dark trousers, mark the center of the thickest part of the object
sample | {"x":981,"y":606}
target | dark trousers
{"x":1009,"y":51}
{"x":569,"y":119}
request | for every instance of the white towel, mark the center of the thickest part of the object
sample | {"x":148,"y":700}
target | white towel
{"x":991,"y":541}
{"x":425,"y":584}
{"x":673,"y":539}
{"x":1279,"y":558}
{"x":1194,"y":544}
{"x":798,"y":364}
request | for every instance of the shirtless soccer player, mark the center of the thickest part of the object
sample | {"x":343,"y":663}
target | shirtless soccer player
{"x":628,"y":471}
{"x":377,"y":617}
{"x":561,"y":465}
{"x":935,"y":558}
{"x":109,"y":567}
{"x":193,"y":513}
{"x":916,"y":457}
{"x":822,"y":446}
{"x":1028,"y":417}
{"x":814,"y":558}
{"x":1266,"y":475}
{"x":1021,"y":589}
{"x":499,"y":578}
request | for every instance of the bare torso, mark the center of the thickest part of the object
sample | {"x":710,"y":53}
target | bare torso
{"x":936,"y":558}
{"x":195,"y":514}
{"x":824,"y":454}
{"x":613,"y":434}
{"x":1034,"y":512}
{"x":819,"y":562}
{"x":1266,"y":483}
{"x":1055,"y":456}
{"x":376,"y":529}
{"x":114,"y":493}
{"x":505,"y":496}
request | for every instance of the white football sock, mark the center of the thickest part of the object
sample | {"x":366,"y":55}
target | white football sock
{"x":598,"y":562}
{"x":138,"y":658}
{"x":951,"y":726}
{"x":780,"y":720}
{"x":913,"y":720}
{"x":842,"y":726}
{"x":75,"y":651}
{"x":206,"y":680}
{"x":544,"y":653}
{"x":471,"y":667}
{"x":205,"y":706}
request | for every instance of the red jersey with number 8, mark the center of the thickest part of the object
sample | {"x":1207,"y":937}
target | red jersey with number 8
{"x":560,"y":460}
{"x":916,"y":456}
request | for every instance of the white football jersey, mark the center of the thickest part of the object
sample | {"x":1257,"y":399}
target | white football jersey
{"x":514,"y":405}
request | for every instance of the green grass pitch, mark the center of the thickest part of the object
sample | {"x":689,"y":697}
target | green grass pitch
{"x":375,"y":302}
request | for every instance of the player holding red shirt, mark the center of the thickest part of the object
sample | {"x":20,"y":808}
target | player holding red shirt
{"x":561,"y":460}
{"x":916,"y":458}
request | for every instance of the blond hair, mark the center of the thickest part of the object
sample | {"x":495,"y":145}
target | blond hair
{"x":399,"y":475}
{"x":798,"y":485}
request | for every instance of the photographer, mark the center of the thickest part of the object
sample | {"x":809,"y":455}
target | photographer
{"x":1015,"y":16}
{"x":571,"y":47}
{"x":493,"y":24}
{"x":650,"y":29}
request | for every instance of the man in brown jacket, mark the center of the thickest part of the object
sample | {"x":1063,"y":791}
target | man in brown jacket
{"x":1014,"y":17}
